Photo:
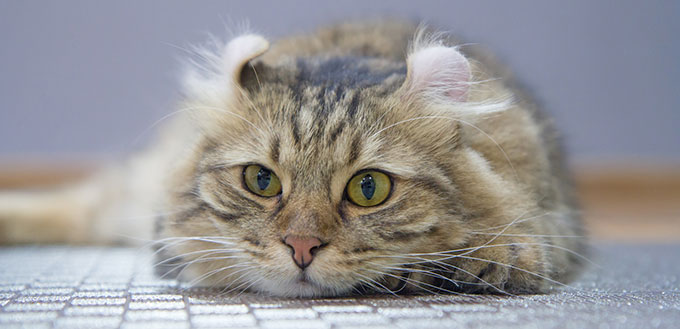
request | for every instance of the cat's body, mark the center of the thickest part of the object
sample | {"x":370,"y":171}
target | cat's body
{"x":475,"y":197}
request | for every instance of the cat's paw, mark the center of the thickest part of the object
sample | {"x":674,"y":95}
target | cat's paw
{"x":503,"y":266}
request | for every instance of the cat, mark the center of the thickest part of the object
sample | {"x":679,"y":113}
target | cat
{"x":363,"y":158}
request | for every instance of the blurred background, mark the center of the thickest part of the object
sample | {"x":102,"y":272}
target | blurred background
{"x":81,"y":81}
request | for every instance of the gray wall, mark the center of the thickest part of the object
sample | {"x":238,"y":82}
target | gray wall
{"x":87,"y":77}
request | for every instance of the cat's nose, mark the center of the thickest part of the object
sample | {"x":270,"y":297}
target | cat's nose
{"x":304,"y":249}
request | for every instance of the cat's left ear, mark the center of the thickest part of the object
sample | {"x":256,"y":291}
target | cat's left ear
{"x":239,"y":51}
{"x":224,"y":67}
{"x":439,"y":73}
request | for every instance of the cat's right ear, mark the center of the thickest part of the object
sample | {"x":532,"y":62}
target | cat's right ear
{"x":439,"y":73}
{"x":442,"y":77}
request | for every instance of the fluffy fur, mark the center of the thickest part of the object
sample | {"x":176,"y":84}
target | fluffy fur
{"x":480,"y":199}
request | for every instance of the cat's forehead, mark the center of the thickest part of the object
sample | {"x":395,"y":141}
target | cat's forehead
{"x":347,"y":72}
{"x":323,"y":110}
{"x":326,"y":74}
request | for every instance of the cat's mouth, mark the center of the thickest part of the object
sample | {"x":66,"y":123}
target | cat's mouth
{"x":303,"y":278}
{"x":306,"y":285}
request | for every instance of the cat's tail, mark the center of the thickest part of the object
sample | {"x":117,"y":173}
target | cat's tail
{"x":46,"y":216}
{"x":96,"y":210}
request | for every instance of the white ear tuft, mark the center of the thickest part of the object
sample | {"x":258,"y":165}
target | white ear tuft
{"x":440,"y":72}
{"x":239,"y":51}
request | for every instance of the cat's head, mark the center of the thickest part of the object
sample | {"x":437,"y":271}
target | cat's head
{"x":314,"y":176}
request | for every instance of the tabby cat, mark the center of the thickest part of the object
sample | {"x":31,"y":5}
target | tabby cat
{"x":375,"y":157}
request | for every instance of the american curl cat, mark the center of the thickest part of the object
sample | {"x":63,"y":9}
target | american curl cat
{"x":374,"y":157}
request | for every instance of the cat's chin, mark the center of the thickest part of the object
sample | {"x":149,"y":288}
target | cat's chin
{"x":297,"y":288}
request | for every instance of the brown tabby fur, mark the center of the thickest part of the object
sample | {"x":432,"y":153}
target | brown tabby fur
{"x":480,"y":201}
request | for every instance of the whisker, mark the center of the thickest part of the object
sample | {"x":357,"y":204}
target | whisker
{"x":374,"y":282}
{"x":367,"y":285}
{"x":246,"y":273}
{"x":186,"y":264}
{"x":191,"y":109}
{"x":215,"y":271}
{"x":209,"y":239}
{"x":232,"y":281}
{"x":253,"y":106}
{"x":449,"y":252}
{"x":500,"y":148}
{"x":231,"y":113}
{"x":519,"y":269}
{"x":438,"y":261}
{"x":214,"y":239}
{"x":497,"y":235}
{"x":532,"y":235}
{"x":204,"y":258}
{"x":417,"y":270}
{"x":180,"y":240}
{"x":211,"y":251}
{"x":248,"y":287}
{"x":516,"y":222}
{"x":418,"y":283}
{"x":440,"y":276}
{"x":469,"y":273}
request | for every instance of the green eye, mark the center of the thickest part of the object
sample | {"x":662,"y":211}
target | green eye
{"x":261,"y":181}
{"x":369,"y":188}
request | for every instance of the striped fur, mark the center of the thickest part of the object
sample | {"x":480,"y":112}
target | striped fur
{"x":480,"y":201}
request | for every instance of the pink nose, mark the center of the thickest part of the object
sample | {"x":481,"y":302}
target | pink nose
{"x":304,"y":248}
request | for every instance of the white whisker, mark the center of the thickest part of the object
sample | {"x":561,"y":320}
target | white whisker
{"x":500,"y":148}
{"x":469,"y":273}
{"x":209,"y":251}
{"x":532,"y":235}
{"x":205,"y":258}
{"x":215,"y":271}
{"x":191,"y":109}
{"x":417,"y":283}
{"x":450,"y":253}
{"x":519,"y":269}
{"x":180,"y":240}
{"x":375,"y":283}
{"x":515,"y":222}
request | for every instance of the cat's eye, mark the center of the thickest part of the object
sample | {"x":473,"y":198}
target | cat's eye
{"x":369,"y":188}
{"x":261,"y":181}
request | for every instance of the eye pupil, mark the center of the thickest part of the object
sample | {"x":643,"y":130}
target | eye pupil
{"x":368,"y":186}
{"x":264,"y":178}
{"x":261,"y":181}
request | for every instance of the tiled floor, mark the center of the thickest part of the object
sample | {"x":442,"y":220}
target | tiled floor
{"x":95,"y":287}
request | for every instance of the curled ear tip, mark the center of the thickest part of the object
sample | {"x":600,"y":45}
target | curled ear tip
{"x":249,"y":36}
{"x":251,"y":41}
{"x":240,"y":50}
{"x":438,"y":59}
{"x":439,"y":52}
{"x":246,"y":47}
{"x":439,"y":70}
